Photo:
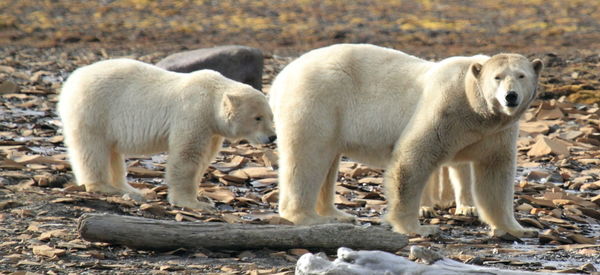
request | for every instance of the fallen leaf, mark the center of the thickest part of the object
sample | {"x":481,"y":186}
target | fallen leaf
{"x":57,"y":233}
{"x":220,"y":194}
{"x":533,"y":128}
{"x":142,"y":172}
{"x":545,"y":146}
{"x":271,"y":197}
{"x":47,"y":251}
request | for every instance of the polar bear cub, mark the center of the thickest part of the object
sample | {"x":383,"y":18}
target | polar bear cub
{"x":124,"y":106}
{"x":407,"y":115}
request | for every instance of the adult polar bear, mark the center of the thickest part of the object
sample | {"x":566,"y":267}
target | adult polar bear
{"x":408,"y":115}
{"x":123,"y":106}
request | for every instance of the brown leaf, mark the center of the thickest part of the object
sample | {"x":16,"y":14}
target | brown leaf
{"x":230,"y":218}
{"x":578,"y":238}
{"x":545,"y":146}
{"x":270,"y":159}
{"x":234,"y":163}
{"x":554,"y":113}
{"x":339,"y":199}
{"x":524,"y":207}
{"x":259,"y":172}
{"x":154,"y":209}
{"x":264,"y":182}
{"x":554,"y":220}
{"x":591,"y":213}
{"x":298,"y":251}
{"x":38,"y":159}
{"x":220,"y":194}
{"x":64,"y":200}
{"x":120,"y":201}
{"x":271,"y":197}
{"x":142,"y":172}
{"x":371,"y":180}
{"x":533,"y":128}
{"x":279,"y":220}
{"x":6,"y":204}
{"x":541,"y":202}
{"x":550,"y":235}
{"x":58,"y":233}
{"x":532,"y":222}
{"x":47,"y":251}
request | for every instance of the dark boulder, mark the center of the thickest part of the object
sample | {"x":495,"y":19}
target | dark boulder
{"x":240,"y":63}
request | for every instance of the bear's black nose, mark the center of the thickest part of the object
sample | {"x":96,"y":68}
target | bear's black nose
{"x":511,"y":99}
{"x":272,"y":138}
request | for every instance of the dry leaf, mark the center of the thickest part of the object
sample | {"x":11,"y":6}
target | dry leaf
{"x":57,"y":233}
{"x":142,"y":172}
{"x":545,"y":146}
{"x":47,"y":251}
{"x":533,"y":128}
{"x":220,"y":194}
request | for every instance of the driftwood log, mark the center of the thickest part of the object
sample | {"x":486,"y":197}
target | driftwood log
{"x":350,"y":262}
{"x":160,"y":235}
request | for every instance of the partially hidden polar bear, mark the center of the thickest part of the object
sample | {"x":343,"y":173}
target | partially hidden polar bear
{"x":450,"y":185}
{"x":123,"y":106}
{"x":407,"y":115}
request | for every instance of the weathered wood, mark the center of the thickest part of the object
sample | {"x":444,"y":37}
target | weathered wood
{"x":351,"y":262}
{"x":150,"y":234}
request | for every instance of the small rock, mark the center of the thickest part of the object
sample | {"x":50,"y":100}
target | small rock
{"x":246,"y":254}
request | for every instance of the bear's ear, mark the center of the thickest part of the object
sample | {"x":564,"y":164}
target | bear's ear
{"x":476,"y":69}
{"x":230,"y":103}
{"x":538,"y":65}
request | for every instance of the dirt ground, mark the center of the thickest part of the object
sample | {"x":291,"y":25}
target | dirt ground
{"x":41,"y":42}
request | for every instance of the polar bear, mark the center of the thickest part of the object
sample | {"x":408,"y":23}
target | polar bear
{"x":408,"y":115}
{"x":123,"y":106}
{"x":451,"y":184}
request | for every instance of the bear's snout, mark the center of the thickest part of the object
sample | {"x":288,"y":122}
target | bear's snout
{"x":512,"y":99}
{"x":272,"y":138}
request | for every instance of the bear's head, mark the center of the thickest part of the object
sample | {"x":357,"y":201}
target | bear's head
{"x":507,"y":82}
{"x":247,"y":115}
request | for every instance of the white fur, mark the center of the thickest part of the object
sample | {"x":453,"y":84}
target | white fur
{"x":123,"y":106}
{"x":452,"y":184}
{"x":410,"y":116}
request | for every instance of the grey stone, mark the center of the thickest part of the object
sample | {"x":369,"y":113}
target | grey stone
{"x":240,"y":63}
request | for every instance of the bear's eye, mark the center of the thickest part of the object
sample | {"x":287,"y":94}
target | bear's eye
{"x":497,"y":77}
{"x":521,"y":76}
{"x":258,"y":118}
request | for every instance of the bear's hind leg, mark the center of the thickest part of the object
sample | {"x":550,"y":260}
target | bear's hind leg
{"x":431,"y":195}
{"x":302,"y":171}
{"x":462,"y":182}
{"x":119,"y":180}
{"x":325,"y":205}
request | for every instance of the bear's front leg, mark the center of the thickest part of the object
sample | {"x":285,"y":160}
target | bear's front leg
{"x":405,"y":180}
{"x":494,"y":185}
{"x":187,"y":162}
